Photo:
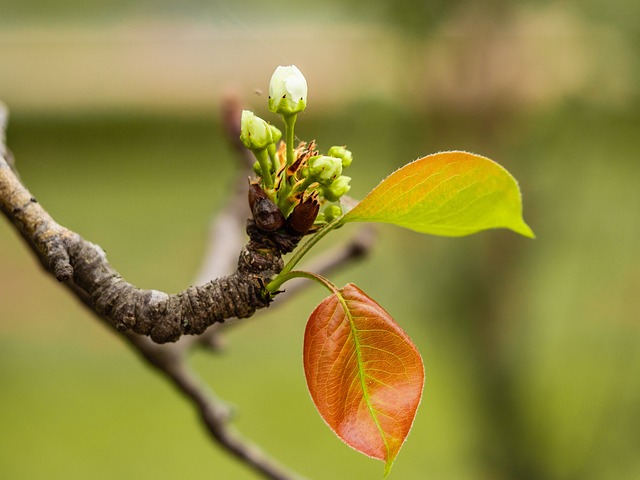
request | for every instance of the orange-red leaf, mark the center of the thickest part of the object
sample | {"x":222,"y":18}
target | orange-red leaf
{"x":363,"y":372}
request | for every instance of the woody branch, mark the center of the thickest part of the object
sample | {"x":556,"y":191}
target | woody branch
{"x":82,"y":267}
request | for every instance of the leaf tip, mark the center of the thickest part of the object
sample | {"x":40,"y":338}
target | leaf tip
{"x":523,"y":229}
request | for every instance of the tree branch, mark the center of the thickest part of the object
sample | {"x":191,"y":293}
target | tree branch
{"x":83,"y":268}
{"x":164,"y":317}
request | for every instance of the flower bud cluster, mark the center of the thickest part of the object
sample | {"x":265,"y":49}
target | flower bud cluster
{"x":305,"y":185}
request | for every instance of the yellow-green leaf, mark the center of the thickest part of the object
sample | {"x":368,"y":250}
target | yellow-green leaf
{"x":449,"y":193}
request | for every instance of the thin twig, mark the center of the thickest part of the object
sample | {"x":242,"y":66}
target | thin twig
{"x":214,"y":414}
{"x":4,"y":151}
{"x":231,"y":114}
{"x":4,"y":121}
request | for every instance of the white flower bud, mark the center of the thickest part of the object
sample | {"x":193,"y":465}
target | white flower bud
{"x":287,"y":91}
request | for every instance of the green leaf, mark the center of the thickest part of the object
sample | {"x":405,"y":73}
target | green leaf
{"x":450,"y":193}
{"x":364,"y":374}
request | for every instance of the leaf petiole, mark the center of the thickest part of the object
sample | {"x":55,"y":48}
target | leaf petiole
{"x":275,"y":284}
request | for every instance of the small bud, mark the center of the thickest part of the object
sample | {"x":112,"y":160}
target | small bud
{"x":287,"y":91}
{"x":255,"y":133}
{"x":257,"y":169}
{"x":337,"y":189}
{"x":342,"y":153}
{"x":276,"y":134}
{"x":324,"y":169}
{"x":303,"y":215}
{"x":266,"y":214}
{"x":332,"y":212}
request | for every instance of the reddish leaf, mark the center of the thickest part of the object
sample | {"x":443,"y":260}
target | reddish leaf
{"x":363,"y":372}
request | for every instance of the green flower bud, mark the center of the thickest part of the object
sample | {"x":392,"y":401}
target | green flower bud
{"x":287,"y":91}
{"x":276,"y":134}
{"x":255,"y":133}
{"x":324,"y":169}
{"x":332,"y":212}
{"x":342,"y":153}
{"x":337,"y":189}
{"x":257,"y":169}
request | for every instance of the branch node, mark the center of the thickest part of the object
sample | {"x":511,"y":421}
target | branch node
{"x":59,"y":260}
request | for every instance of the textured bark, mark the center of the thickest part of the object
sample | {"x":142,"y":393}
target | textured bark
{"x":162,"y":316}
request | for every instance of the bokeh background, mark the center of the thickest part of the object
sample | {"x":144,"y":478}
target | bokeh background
{"x":532,"y":348}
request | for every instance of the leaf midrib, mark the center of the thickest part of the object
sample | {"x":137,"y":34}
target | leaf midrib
{"x":361,"y":373}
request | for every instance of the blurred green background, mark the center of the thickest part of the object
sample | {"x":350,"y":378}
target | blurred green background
{"x":532,"y":348}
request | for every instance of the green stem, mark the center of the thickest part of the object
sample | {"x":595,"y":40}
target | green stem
{"x":283,"y":195}
{"x":265,"y":166}
{"x":297,"y":256}
{"x":286,"y":192}
{"x":271,"y":150}
{"x":305,"y":184}
{"x":275,"y":285}
{"x":289,"y":123}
